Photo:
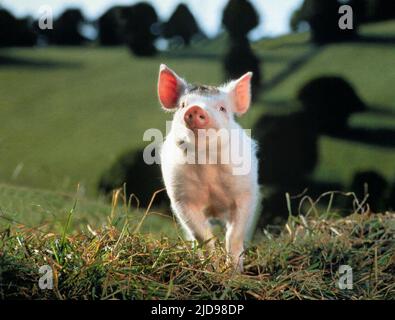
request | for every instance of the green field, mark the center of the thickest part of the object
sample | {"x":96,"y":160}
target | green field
{"x":49,"y":211}
{"x":68,"y":113}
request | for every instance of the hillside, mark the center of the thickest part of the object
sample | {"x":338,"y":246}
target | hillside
{"x":303,"y":262}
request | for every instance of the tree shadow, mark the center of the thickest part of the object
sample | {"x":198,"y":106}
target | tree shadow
{"x":273,"y":58}
{"x":288,"y":149}
{"x":385,"y":40}
{"x":292,"y":67}
{"x":330,"y":113}
{"x":302,"y":60}
{"x":191,"y":55}
{"x":131,"y":172}
{"x":12,"y":62}
{"x":278,"y":105}
{"x":289,"y":44}
{"x":381,"y":111}
{"x":276,"y":207}
{"x":378,"y":137}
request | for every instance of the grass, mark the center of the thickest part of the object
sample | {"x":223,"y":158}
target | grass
{"x":70,"y":112}
{"x":69,"y":124}
{"x":50,"y":211}
{"x":302,"y":262}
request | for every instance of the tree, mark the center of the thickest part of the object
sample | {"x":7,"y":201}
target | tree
{"x":296,"y":20}
{"x":66,"y":29}
{"x":181,"y":24}
{"x":364,"y":10}
{"x":239,"y":18}
{"x":15,"y":32}
{"x":360,"y":8}
{"x":111,"y":27}
{"x":323,"y":19}
{"x":381,"y":9}
{"x":140,"y":19}
{"x":241,"y":59}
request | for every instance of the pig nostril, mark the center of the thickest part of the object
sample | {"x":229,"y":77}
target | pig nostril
{"x":195,"y":117}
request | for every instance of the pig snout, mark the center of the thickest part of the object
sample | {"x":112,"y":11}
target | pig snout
{"x":196,"y":118}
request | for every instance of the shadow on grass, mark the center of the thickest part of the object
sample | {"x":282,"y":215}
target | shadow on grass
{"x":377,"y":137}
{"x":191,"y":55}
{"x":292,"y":67}
{"x":390,"y":40}
{"x":381,"y":111}
{"x":290,"y":44}
{"x":275,"y":58}
{"x":8,"y":61}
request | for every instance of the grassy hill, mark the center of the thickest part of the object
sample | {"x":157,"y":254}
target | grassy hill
{"x":301,"y":263}
{"x":68,"y":113}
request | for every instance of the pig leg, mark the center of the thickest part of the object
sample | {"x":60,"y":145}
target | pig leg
{"x":196,"y":225}
{"x":237,"y":231}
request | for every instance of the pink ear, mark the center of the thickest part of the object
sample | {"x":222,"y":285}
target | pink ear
{"x":170,"y":87}
{"x":242,"y":93}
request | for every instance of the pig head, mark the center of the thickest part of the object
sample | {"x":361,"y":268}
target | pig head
{"x":208,"y":187}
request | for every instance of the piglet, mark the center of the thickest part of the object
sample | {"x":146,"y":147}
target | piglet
{"x":206,"y":180}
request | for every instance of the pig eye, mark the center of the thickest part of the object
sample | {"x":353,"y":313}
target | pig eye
{"x":222,"y":109}
{"x":182,"y":105}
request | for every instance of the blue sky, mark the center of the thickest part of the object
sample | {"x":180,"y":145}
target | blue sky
{"x":275,"y":14}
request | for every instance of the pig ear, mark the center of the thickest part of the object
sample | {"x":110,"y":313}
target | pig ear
{"x":240,"y":91}
{"x":170,"y":87}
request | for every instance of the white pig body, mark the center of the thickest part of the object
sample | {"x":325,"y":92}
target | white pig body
{"x":200,"y":190}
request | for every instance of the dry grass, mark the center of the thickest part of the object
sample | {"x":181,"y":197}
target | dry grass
{"x":302,"y":262}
